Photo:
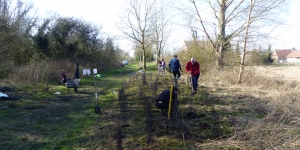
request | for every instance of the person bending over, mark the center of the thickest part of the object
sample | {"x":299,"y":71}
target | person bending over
{"x":162,"y":101}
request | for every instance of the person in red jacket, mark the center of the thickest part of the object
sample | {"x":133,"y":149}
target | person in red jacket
{"x":193,"y":68}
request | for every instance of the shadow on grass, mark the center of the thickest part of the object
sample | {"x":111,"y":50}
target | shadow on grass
{"x":68,"y":121}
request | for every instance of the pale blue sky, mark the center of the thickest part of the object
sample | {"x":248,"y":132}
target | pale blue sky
{"x":99,"y":12}
{"x":105,"y":13}
{"x":289,"y":36}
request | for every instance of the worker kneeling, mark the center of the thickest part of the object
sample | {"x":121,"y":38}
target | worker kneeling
{"x":162,"y":101}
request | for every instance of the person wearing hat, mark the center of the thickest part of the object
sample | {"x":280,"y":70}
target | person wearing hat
{"x":193,"y":68}
{"x":175,"y":67}
{"x":162,"y":101}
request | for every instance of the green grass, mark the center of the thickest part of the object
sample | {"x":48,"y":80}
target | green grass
{"x":43,"y":120}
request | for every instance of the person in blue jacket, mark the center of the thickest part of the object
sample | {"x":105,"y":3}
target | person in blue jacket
{"x":175,"y":67}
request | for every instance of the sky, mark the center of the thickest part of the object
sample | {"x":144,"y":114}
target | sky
{"x":105,"y":13}
{"x":289,"y":36}
{"x":102,"y":13}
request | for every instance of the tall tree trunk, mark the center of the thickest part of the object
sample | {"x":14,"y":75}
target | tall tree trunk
{"x":221,"y":37}
{"x":157,"y":53}
{"x":219,"y":59}
{"x":245,"y":44}
{"x":144,"y":59}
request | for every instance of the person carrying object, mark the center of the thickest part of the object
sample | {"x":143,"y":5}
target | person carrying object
{"x":162,"y":101}
{"x":193,"y":68}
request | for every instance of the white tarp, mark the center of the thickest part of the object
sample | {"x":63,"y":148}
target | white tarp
{"x":3,"y":95}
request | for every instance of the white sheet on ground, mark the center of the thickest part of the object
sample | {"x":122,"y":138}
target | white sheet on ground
{"x":3,"y":95}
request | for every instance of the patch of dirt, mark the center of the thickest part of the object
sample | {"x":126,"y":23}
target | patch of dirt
{"x":65,"y":98}
{"x":33,"y":107}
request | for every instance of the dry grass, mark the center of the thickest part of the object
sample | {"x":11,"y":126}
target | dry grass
{"x":275,"y":92}
{"x":42,"y":70}
{"x":261,"y":113}
{"x":49,"y":70}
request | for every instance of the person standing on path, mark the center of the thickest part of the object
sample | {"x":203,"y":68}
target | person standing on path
{"x":162,"y":67}
{"x":193,"y":68}
{"x":158,"y":65}
{"x":175,"y":67}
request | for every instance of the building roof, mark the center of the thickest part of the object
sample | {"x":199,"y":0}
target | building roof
{"x":282,"y":54}
{"x":294,"y":54}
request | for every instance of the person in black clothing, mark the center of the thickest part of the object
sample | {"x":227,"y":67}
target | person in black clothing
{"x":77,"y":72}
{"x":162,"y":101}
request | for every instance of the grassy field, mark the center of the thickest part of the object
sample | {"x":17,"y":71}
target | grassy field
{"x":261,"y":113}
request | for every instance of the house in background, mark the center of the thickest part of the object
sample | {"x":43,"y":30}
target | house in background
{"x":293,"y":57}
{"x":281,"y":55}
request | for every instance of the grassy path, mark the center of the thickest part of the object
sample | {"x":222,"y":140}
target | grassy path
{"x":44,"y":120}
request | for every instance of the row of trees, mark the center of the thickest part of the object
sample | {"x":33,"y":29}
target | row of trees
{"x":148,"y":23}
{"x":24,"y":39}
{"x":65,"y":38}
{"x":222,"y":22}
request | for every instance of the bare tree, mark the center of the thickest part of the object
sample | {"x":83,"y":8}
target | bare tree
{"x":258,"y":12}
{"x":245,"y":42}
{"x":161,"y":28}
{"x":226,"y":19}
{"x":136,"y":23}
